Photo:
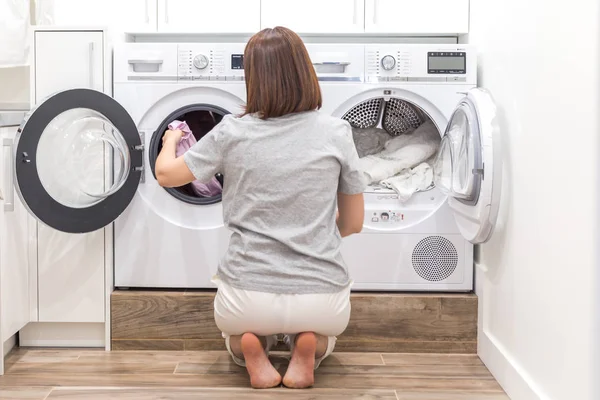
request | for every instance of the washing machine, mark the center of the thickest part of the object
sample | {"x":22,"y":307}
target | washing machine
{"x":171,"y":238}
{"x":427,"y":242}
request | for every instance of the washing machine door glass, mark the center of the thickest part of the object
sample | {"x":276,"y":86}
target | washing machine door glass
{"x":468,"y":165}
{"x":77,"y":160}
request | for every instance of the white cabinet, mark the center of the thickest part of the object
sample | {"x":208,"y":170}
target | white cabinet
{"x":70,"y":267}
{"x":314,"y":16}
{"x":64,"y":60}
{"x":209,"y":16}
{"x":15,"y":310}
{"x":118,"y":15}
{"x":444,"y":17}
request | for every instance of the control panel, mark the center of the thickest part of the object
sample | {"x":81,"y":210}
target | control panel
{"x":218,"y":62}
{"x":172,"y":62}
{"x":443,"y":63}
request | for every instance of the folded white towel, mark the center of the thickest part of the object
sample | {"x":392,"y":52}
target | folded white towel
{"x":410,"y":181}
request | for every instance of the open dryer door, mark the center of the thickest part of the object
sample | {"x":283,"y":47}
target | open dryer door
{"x":77,"y":160}
{"x":468,"y":166}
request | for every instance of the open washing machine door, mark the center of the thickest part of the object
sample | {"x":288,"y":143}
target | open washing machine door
{"x":468,"y":166}
{"x":77,"y":160}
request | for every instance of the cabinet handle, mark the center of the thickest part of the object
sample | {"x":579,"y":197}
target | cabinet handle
{"x":355,"y":17}
{"x":166,"y":11}
{"x":147,"y":14}
{"x":9,"y":178}
{"x":91,"y":64}
{"x":375,"y":11}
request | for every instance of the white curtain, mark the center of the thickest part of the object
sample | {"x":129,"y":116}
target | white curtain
{"x":15,"y":25}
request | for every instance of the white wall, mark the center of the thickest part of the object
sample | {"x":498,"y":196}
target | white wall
{"x":540,"y":60}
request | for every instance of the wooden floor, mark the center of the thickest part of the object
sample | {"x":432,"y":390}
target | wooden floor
{"x":164,"y":375}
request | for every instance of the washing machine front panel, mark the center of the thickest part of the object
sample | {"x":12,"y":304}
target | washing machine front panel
{"x":384,"y":212}
{"x":77,"y":160}
{"x":431,"y":261}
{"x":158,"y":200}
{"x":152,"y":252}
{"x":162,"y":241}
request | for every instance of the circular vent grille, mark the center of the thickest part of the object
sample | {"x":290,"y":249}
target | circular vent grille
{"x":400,"y":117}
{"x":365,"y":114}
{"x":434,"y":258}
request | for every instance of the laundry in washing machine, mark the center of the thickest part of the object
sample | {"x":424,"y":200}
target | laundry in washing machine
{"x":201,"y":119}
{"x":202,"y":189}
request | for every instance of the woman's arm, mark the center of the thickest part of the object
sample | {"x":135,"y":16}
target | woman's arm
{"x":172,"y":171}
{"x":351,"y":213}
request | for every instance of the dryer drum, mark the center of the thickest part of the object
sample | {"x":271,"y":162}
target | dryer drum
{"x":396,"y":116}
{"x":400,"y":117}
{"x":201,"y":118}
{"x":365,"y":114}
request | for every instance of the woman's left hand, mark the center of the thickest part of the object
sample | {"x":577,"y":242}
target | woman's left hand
{"x":170,"y":135}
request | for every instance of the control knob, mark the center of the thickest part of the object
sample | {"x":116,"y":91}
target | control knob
{"x":388,"y":62}
{"x":200,"y":61}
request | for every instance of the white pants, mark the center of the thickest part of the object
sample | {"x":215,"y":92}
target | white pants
{"x":239,"y":311}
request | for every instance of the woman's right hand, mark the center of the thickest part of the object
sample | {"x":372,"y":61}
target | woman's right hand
{"x":172,"y":135}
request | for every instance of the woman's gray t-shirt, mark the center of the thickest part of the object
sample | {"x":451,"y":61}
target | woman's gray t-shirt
{"x":282,"y":176}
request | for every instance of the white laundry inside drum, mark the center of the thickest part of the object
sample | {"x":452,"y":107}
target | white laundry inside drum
{"x":201,"y":120}
{"x":396,"y":142}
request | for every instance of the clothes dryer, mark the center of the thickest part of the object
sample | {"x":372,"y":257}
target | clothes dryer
{"x":424,"y":243}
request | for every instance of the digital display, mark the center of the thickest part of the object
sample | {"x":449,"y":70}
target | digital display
{"x":237,"y":61}
{"x":447,"y":63}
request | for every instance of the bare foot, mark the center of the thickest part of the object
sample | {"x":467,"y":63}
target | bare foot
{"x":262,"y":373}
{"x":301,"y":372}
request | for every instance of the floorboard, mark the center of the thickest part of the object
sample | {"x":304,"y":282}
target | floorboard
{"x":181,"y":375}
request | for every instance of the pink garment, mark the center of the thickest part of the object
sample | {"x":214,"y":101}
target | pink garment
{"x":209,"y":189}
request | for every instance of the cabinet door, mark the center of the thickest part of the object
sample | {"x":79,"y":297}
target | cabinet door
{"x":119,"y":15}
{"x":443,"y":17}
{"x":14,"y":264}
{"x":76,"y":57}
{"x":314,"y":16}
{"x":70,"y":267}
{"x":209,"y":16}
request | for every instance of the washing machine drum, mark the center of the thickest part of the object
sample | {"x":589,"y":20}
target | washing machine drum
{"x":396,"y":116}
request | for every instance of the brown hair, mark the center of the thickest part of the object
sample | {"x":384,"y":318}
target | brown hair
{"x":280,"y":78}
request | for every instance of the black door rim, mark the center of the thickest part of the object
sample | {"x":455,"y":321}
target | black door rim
{"x":155,"y":145}
{"x":28,"y":183}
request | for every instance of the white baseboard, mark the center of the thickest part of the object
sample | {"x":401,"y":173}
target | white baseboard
{"x":9,"y":344}
{"x":509,"y":374}
{"x":517,"y":384}
{"x":58,"y":334}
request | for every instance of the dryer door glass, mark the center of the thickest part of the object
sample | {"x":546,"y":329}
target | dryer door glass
{"x":458,"y":165}
{"x":77,"y":160}
{"x":468,"y":165}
